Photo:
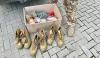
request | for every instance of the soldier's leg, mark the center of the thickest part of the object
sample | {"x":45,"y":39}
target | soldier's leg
{"x":70,"y":7}
{"x":71,"y":24}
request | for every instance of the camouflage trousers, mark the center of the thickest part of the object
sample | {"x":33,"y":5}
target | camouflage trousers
{"x":70,"y":8}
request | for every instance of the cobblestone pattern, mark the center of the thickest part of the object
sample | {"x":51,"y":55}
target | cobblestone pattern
{"x":85,"y":43}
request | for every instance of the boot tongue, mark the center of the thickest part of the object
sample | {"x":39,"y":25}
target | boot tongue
{"x":26,"y":40}
{"x":42,"y":40}
{"x":60,"y":36}
{"x":19,"y":40}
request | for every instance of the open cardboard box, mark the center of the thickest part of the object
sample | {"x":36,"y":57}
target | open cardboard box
{"x":44,"y":7}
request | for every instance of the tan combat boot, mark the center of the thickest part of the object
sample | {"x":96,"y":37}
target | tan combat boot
{"x":59,"y":37}
{"x":43,"y":43}
{"x":26,"y":39}
{"x":18,"y":42}
{"x":34,"y":46}
{"x":50,"y":35}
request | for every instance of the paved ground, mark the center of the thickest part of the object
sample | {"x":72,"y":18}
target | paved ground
{"x":85,"y":43}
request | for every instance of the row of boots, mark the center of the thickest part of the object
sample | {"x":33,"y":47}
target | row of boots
{"x":39,"y":40}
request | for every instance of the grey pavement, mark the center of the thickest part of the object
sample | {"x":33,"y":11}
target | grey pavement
{"x":85,"y":43}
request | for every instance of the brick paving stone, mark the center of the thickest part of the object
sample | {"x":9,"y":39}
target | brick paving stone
{"x":70,"y":47}
{"x":84,"y":2}
{"x":7,"y":52}
{"x":94,"y":52}
{"x":1,"y":49}
{"x":16,"y":55}
{"x":25,"y":56}
{"x":97,"y":32}
{"x":9,"y":29}
{"x":90,"y":44}
{"x":86,"y":36}
{"x":11,"y":37}
{"x":96,"y":39}
{"x":78,"y":15}
{"x":46,"y":55}
{"x":82,"y":18}
{"x":81,"y":29}
{"x":6,"y":44}
{"x":83,"y":10}
{"x":88,"y":4}
{"x":87,"y":15}
{"x":98,"y":25}
{"x":86,"y":51}
{"x":98,"y":15}
{"x":82,"y":56}
{"x":90,"y":30}
{"x":67,"y":39}
{"x":2,"y":55}
{"x":77,"y":37}
{"x":79,"y":52}
{"x":93,"y":16}
{"x":93,"y":25}
{"x":86,"y":24}
{"x":54,"y":56}
{"x":97,"y":7}
{"x":53,"y":50}
{"x":97,"y":47}
{"x":77,"y":48}
{"x":72,"y":55}
{"x":90,"y":19}
{"x":78,"y":26}
{"x":81,"y":23}
{"x":93,"y":9}
{"x":90,"y":10}
{"x":98,"y":56}
{"x":83,"y":41}
{"x":95,"y":12}
{"x":62,"y":53}
{"x":79,"y":12}
{"x":87,"y":7}
{"x":96,"y":21}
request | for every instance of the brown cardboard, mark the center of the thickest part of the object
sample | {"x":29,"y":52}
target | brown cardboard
{"x":44,"y":7}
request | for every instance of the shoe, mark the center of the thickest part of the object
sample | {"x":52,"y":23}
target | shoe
{"x":50,"y":36}
{"x":18,"y":42}
{"x":26,"y":39}
{"x":71,"y":29}
{"x":42,"y":39}
{"x":34,"y":46}
{"x":59,"y":38}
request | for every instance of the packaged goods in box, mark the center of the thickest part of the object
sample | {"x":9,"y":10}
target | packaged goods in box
{"x":41,"y":16}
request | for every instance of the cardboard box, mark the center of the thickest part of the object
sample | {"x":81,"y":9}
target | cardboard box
{"x":44,"y":7}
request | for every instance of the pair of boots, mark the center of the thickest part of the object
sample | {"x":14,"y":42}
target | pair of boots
{"x":55,"y":33}
{"x":22,"y":39}
{"x":38,"y":41}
